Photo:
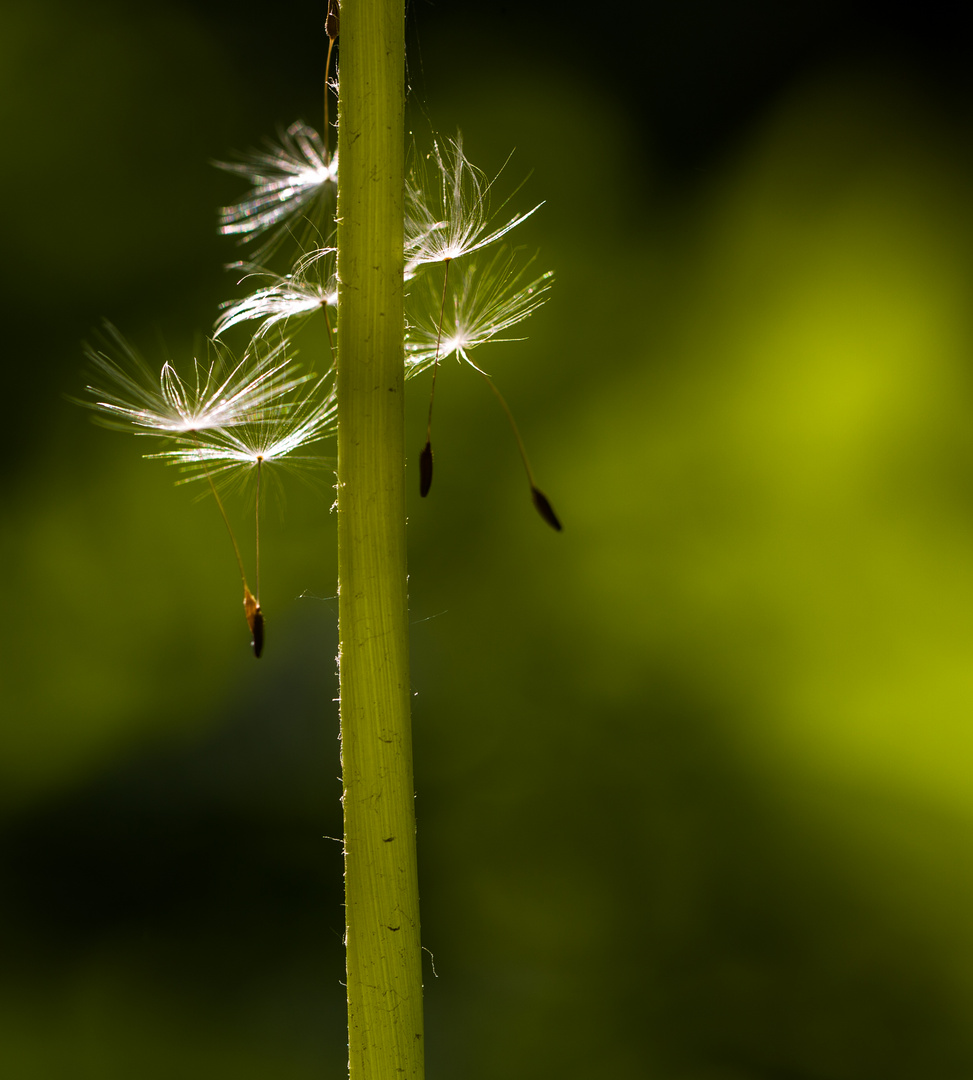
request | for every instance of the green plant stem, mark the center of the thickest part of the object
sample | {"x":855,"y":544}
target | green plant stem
{"x":385,"y":1031}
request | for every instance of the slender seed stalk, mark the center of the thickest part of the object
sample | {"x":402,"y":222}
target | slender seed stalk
{"x":381,"y":890}
{"x":327,"y":323}
{"x":331,"y":27}
{"x":539,"y":499}
{"x":513,"y":426}
{"x":439,"y":341}
{"x":229,"y":529}
{"x":257,"y":527}
{"x":251,"y":603}
{"x":425,"y":458}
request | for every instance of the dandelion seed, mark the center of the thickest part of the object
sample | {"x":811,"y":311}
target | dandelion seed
{"x":286,"y":180}
{"x":257,"y":394}
{"x":289,"y":296}
{"x":231,"y":454}
{"x":223,"y":456}
{"x":222,"y":393}
{"x":485,"y":304}
{"x":449,"y":217}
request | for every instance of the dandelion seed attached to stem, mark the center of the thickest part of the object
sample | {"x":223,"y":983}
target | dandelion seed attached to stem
{"x":286,"y":180}
{"x":311,"y":286}
{"x":447,"y":222}
{"x":235,"y":414}
{"x":449,"y":215}
{"x":487,"y":302}
{"x":224,"y":391}
{"x":228,"y":454}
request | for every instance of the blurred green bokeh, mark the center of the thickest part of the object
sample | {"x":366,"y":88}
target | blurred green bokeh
{"x":693,"y":777}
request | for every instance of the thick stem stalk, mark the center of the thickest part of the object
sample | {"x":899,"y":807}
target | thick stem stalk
{"x":381,"y":890}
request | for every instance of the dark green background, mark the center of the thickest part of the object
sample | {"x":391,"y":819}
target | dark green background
{"x":693,"y":776}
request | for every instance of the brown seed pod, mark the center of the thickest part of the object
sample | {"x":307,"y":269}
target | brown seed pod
{"x":425,"y":470}
{"x":544,"y":508}
{"x":255,"y":620}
